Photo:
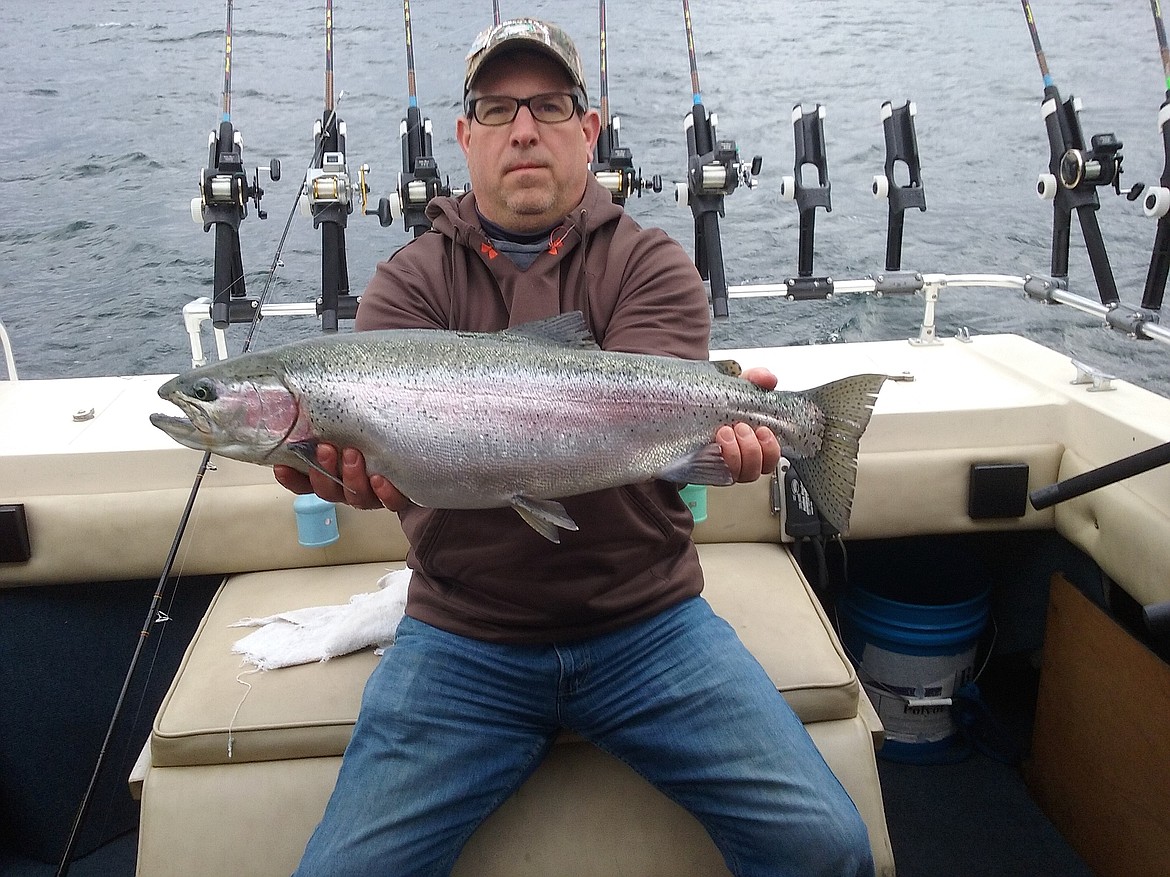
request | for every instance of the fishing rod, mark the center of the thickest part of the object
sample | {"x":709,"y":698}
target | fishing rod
{"x":613,"y":164}
{"x":328,"y":199}
{"x":1155,"y":615}
{"x":714,"y":170}
{"x":1074,"y":176}
{"x":224,"y":193}
{"x":419,"y":182}
{"x":1157,"y":201}
{"x":1103,"y":476}
{"x":154,"y":615}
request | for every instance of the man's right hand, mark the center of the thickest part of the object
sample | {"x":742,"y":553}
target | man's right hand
{"x":361,"y":491}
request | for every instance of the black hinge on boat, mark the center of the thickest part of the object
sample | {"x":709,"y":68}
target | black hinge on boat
{"x":14,"y":542}
{"x":809,"y":288}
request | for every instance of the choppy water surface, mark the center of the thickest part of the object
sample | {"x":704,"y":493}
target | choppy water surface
{"x":110,"y":105}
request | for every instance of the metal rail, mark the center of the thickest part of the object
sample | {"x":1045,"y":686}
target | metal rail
{"x":1132,"y":320}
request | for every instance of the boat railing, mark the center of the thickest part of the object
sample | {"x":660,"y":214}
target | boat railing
{"x":197,"y":313}
{"x":9,"y":359}
{"x":1135,"y":321}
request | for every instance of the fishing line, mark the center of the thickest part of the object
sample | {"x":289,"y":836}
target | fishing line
{"x":231,"y":729}
{"x":152,"y":615}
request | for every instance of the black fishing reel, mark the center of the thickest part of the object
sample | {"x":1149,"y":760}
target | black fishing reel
{"x":717,"y":173}
{"x":419,"y":182}
{"x":621,"y":179}
{"x":1100,"y":165}
{"x":1081,"y":170}
{"x":614,"y":167}
{"x":224,"y":190}
{"x":414,"y":192}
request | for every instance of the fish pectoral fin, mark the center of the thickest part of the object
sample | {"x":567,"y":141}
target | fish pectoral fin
{"x":307,"y":453}
{"x":704,"y":466}
{"x":544,"y":516}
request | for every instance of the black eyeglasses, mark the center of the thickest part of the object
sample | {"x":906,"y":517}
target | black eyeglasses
{"x":498,"y":109}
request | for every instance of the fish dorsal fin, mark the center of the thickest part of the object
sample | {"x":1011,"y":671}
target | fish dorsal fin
{"x":564,"y":330}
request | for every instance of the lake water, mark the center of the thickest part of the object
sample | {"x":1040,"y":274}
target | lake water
{"x":110,"y":106}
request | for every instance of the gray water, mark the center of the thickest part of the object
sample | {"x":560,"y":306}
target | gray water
{"x":110,"y":105}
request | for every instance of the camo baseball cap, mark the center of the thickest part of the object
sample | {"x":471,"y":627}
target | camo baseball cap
{"x":528,"y":33}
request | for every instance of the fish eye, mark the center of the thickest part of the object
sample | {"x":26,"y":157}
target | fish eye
{"x":203,"y":390}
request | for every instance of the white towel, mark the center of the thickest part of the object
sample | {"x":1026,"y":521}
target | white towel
{"x":318,"y":633}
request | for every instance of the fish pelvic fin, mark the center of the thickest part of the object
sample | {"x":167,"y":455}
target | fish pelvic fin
{"x":704,"y":466}
{"x":830,"y":475}
{"x":544,"y":516}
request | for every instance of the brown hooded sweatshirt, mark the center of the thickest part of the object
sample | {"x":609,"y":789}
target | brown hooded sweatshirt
{"x":484,"y":573}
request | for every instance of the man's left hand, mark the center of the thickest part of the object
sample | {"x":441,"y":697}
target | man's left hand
{"x":750,"y":453}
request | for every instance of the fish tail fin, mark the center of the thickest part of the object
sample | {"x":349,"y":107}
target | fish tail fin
{"x":831,"y":474}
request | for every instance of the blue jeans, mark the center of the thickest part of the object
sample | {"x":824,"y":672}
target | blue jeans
{"x":450,"y":727}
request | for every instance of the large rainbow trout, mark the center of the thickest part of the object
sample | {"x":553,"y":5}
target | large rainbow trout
{"x":520,"y":417}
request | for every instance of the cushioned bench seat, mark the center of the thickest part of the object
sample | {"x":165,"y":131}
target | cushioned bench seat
{"x":581,"y":813}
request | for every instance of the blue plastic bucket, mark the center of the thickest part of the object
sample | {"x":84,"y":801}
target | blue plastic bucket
{"x":908,"y":655}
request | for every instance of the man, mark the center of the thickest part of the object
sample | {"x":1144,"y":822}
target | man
{"x":507,"y":638}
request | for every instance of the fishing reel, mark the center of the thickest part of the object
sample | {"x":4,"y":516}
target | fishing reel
{"x":224,"y":190}
{"x":328,"y":185}
{"x":1084,"y":169}
{"x":619,"y":177}
{"x":614,"y":167}
{"x":717,"y":173}
{"x":419,"y":181}
{"x":414,"y":192}
{"x":1100,"y":165}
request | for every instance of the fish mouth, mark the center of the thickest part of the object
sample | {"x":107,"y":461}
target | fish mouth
{"x":193,"y":432}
